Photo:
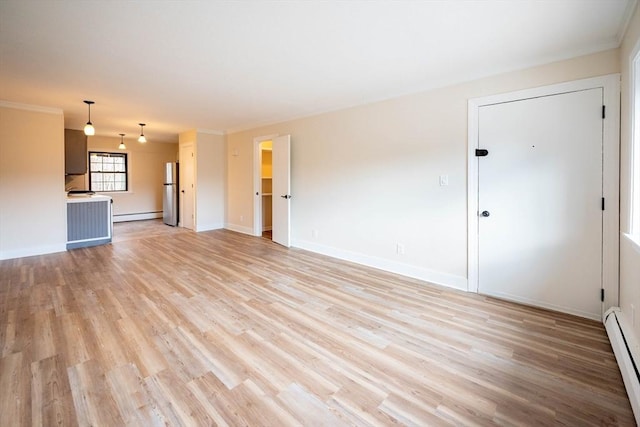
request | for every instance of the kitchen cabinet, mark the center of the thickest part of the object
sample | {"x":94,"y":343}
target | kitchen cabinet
{"x":89,"y":220}
{"x":75,"y":152}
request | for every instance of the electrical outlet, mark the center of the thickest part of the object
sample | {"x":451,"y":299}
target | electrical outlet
{"x":314,"y":233}
{"x":241,"y":218}
{"x":400,"y":249}
{"x":444,"y":180}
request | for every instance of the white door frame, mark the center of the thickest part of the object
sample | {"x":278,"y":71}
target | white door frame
{"x":257,"y":182}
{"x":611,"y":175}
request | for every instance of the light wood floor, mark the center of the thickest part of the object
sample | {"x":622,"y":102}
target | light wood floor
{"x":179,"y":328}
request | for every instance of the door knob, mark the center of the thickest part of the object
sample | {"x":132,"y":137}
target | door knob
{"x":286,"y":196}
{"x":485,"y":213}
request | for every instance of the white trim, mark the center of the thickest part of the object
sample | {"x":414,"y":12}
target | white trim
{"x":210,"y":132}
{"x":257,"y":183}
{"x":611,"y":192}
{"x":209,"y":227}
{"x":92,"y":239}
{"x":29,"y":107}
{"x":626,"y":19}
{"x":542,"y":304}
{"x":38,"y":250}
{"x":630,"y":337}
{"x":136,"y":216}
{"x":239,"y":229}
{"x":435,"y":277}
{"x":618,"y":332}
{"x":611,"y":92}
{"x":633,"y":162}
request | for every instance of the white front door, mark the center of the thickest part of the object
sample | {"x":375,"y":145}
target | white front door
{"x":187,"y":200}
{"x":281,"y":190}
{"x":540,"y":188}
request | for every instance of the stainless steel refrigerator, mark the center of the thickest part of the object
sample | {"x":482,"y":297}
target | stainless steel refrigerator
{"x":170,"y":195}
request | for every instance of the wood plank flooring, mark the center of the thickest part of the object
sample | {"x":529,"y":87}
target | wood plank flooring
{"x":219,"y":328}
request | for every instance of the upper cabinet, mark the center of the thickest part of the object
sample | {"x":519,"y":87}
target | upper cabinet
{"x":75,"y":152}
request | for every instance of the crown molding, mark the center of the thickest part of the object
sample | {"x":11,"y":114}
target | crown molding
{"x":624,"y":24}
{"x":210,"y":132}
{"x":29,"y":107}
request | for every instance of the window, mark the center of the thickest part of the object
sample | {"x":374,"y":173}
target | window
{"x":107,"y":171}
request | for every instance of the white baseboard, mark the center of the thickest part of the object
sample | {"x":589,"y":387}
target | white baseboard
{"x":438,"y":278}
{"x":136,"y":216}
{"x":239,"y":228}
{"x":623,"y":342}
{"x":544,"y":304}
{"x":40,"y":250}
{"x":209,"y":227}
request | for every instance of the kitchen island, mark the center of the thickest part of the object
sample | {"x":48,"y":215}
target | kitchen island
{"x":89,"y":220}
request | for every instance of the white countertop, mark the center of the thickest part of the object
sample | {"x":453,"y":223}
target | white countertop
{"x":83,"y":198}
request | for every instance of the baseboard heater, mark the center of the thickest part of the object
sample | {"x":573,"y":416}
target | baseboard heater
{"x":138,"y":216}
{"x":622,"y":349}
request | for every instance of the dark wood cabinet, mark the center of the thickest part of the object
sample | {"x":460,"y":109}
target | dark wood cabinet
{"x":75,"y":152}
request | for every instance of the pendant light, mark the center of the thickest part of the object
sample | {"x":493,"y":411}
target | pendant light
{"x":89,"y":129}
{"x":122,"y":146}
{"x":142,"y":138}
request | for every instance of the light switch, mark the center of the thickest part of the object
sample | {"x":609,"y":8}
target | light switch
{"x":444,"y":180}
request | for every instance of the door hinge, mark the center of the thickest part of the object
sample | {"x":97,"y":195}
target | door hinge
{"x":603,"y":203}
{"x":601,"y":294}
{"x":603,"y":111}
{"x":481,"y":152}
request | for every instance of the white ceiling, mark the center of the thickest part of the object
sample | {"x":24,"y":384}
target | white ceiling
{"x":228,"y":65}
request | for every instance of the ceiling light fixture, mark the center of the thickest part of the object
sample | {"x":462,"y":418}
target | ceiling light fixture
{"x":142,"y":138}
{"x":89,"y":129}
{"x":122,"y":146}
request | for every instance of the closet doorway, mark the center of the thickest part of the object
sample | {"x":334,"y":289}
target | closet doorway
{"x":272,"y":188}
{"x":266,"y":187}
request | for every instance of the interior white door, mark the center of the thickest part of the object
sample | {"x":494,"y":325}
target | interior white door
{"x":187,"y":201}
{"x":281,"y":182}
{"x":540,"y":201}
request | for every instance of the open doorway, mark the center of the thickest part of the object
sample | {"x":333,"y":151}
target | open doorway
{"x":272,"y":188}
{"x":266,"y":188}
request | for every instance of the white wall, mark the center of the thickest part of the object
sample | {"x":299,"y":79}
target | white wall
{"x":629,"y":252}
{"x":210,"y":181}
{"x":32,"y":198}
{"x":209,"y":177}
{"x":366,"y":178}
